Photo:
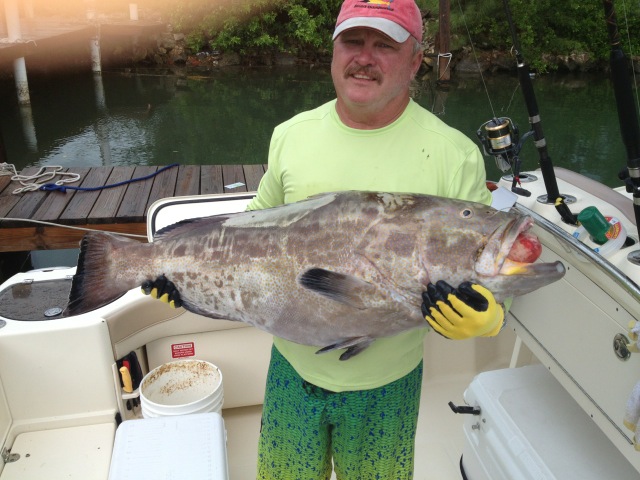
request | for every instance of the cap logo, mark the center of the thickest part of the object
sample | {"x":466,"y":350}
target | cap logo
{"x":378,"y":4}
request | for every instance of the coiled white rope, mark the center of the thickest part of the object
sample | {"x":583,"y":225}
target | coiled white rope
{"x":31,"y":183}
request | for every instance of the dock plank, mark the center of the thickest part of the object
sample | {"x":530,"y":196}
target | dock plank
{"x":134,"y":203}
{"x":5,"y":181}
{"x":8,"y":200}
{"x":108,"y":201}
{"x":231,"y":175}
{"x":56,"y":202}
{"x":81,"y":204}
{"x":164,"y":185}
{"x":211,"y":179}
{"x":188,"y":180}
{"x":27,"y":205}
{"x":253,"y":174}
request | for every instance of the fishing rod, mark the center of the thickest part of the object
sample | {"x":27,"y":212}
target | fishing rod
{"x":500,"y":137}
{"x":627,"y":113}
{"x":546,"y":166}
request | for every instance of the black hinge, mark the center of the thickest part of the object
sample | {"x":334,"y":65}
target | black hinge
{"x":8,"y":457}
{"x":465,"y":409}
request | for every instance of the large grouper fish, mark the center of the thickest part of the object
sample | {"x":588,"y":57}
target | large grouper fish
{"x":337,"y":270}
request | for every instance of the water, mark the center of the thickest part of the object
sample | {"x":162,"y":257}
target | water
{"x":158,"y":117}
{"x":155,"y":118}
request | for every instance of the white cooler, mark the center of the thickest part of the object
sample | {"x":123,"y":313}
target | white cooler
{"x":171,"y":448}
{"x":529,"y":427}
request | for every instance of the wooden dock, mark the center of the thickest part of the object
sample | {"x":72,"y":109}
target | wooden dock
{"x":50,"y":36}
{"x":38,"y":36}
{"x":120,"y":209}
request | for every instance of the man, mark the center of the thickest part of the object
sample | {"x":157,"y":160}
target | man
{"x":361,"y":414}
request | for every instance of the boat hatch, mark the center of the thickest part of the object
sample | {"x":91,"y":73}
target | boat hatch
{"x":35,"y":301}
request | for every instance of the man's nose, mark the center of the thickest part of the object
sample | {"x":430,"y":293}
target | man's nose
{"x":365,"y":56}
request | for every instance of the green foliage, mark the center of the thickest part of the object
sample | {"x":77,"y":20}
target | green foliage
{"x":544,"y":27}
{"x":253,"y":27}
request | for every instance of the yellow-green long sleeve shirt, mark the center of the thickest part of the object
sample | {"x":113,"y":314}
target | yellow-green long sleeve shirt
{"x":314,"y":152}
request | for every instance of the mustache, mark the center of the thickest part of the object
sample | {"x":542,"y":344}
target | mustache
{"x":364,"y":70}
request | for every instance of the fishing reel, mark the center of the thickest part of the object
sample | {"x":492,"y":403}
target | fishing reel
{"x":500,"y":138}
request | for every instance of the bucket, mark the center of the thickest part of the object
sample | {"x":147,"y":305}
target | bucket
{"x":180,"y":388}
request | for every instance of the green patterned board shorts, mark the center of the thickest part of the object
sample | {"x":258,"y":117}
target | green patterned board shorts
{"x":369,"y":434}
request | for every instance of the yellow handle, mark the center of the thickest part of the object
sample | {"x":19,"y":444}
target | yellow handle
{"x":126,"y":380}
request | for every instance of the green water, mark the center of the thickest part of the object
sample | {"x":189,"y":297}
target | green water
{"x":157,"y":117}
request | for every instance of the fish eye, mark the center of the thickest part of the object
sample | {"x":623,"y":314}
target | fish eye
{"x":466,"y":213}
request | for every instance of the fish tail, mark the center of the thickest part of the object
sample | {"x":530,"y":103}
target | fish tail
{"x":95,"y":283}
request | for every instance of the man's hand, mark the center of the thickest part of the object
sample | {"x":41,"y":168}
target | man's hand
{"x":466,"y":312}
{"x":162,"y":289}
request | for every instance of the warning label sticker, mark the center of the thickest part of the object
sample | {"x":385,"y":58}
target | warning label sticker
{"x":180,"y":350}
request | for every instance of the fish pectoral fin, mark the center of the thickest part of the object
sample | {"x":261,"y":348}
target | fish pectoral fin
{"x":353,"y":347}
{"x":342,"y":288}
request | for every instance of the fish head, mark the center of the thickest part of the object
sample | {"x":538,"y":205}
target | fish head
{"x":482,"y":251}
{"x":502,"y":273}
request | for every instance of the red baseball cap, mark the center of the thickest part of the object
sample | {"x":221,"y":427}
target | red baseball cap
{"x":395,"y":18}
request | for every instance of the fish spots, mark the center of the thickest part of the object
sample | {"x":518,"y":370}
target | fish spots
{"x":370,"y":212}
{"x":192,"y":275}
{"x":401,"y":244}
{"x":248,"y":298}
{"x":180,"y":250}
{"x":198,"y":249}
{"x":311,"y":238}
{"x":393,"y":203}
{"x":177,"y":277}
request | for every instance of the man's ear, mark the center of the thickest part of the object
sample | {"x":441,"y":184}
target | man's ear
{"x":417,"y":62}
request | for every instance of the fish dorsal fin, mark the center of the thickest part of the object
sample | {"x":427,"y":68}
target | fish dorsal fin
{"x":187,"y":225}
{"x":339,"y":287}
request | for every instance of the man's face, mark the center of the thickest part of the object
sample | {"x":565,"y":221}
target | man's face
{"x":372,"y":71}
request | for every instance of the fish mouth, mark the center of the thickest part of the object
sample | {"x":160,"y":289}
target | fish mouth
{"x":494,"y":259}
{"x":506,"y":278}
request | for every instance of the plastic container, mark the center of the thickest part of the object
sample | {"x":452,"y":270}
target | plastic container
{"x":616,"y":237}
{"x":180,"y":388}
{"x":596,"y":224}
{"x":530,"y":428}
{"x":182,"y":447}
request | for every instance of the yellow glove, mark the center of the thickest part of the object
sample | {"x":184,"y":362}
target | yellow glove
{"x":466,"y":312}
{"x":164,"y":290}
